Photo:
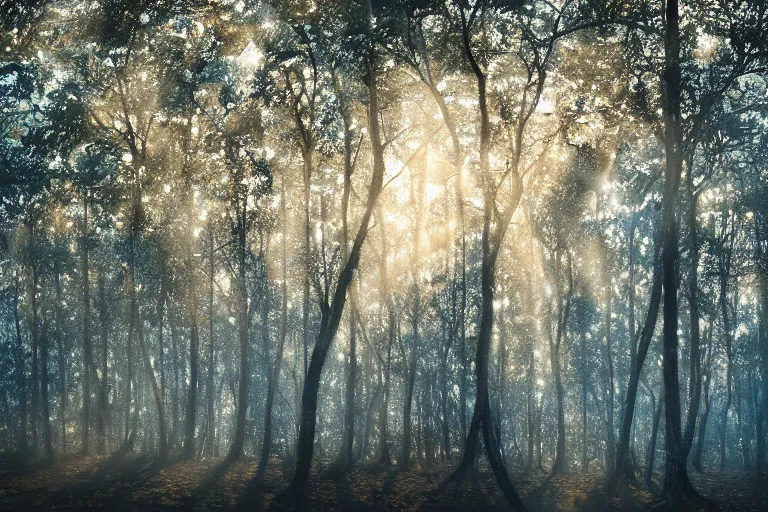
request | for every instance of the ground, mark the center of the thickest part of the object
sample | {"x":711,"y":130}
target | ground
{"x":140,"y":483}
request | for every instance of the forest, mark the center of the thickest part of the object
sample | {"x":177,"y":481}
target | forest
{"x":384,"y":255}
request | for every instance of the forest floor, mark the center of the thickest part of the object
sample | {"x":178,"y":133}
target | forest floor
{"x":139,"y":483}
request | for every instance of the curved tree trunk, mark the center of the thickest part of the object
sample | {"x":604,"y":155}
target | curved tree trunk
{"x":491,"y":243}
{"x":156,"y":391}
{"x":332,"y":313}
{"x":274,"y":378}
{"x":634,"y":379}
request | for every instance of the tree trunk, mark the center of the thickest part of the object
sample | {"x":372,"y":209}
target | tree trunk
{"x":410,"y":384}
{"x":157,"y":392}
{"x":104,"y":388}
{"x":35,"y":409}
{"x":384,"y":457}
{"x":699,"y":453}
{"x":306,"y":154}
{"x":445,"y":424}
{"x":88,"y":366}
{"x":694,"y":386}
{"x":676,"y":482}
{"x":349,"y":398}
{"x":584,"y":445}
{"x":491,"y":243}
{"x":332,"y":313}
{"x":645,"y":337}
{"x":651,"y":454}
{"x":564,"y":307}
{"x":62,"y":357}
{"x":22,"y":445}
{"x":194,"y":350}
{"x":610,"y":440}
{"x":175,"y":404}
{"x":211,"y":345}
{"x":47,"y":432}
{"x":243,"y":325}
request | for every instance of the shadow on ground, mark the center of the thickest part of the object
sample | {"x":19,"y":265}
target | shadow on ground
{"x":137,"y":482}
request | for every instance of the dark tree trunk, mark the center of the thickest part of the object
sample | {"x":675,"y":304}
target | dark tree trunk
{"x":645,"y":337}
{"x":274,"y":377}
{"x":104,"y":388}
{"x":175,"y":404}
{"x":194,"y":352}
{"x":651,"y":453}
{"x":306,"y":154}
{"x":530,"y":372}
{"x":564,"y":307}
{"x":409,"y":387}
{"x":47,"y":431}
{"x":331,"y":313}
{"x":584,"y":444}
{"x":62,"y":357}
{"x":210,"y":386}
{"x":157,"y":392}
{"x":676,"y":483}
{"x":349,"y":398}
{"x":445,"y":423}
{"x":88,"y":366}
{"x":131,"y":427}
{"x":243,"y":325}
{"x":191,"y":291}
{"x":491,"y":243}
{"x":694,"y":373}
{"x":21,"y":374}
{"x":729,"y":238}
{"x":501,"y":379}
{"x":384,"y":456}
{"x":610,"y":431}
{"x":699,"y":452}
{"x":35,"y":409}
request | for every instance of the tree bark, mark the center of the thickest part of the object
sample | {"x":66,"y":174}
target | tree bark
{"x":694,"y":386}
{"x":88,"y":366}
{"x":35,"y":402}
{"x":651,"y":453}
{"x":564,"y":307}
{"x":243,"y":325}
{"x":332,"y":313}
{"x":274,"y":377}
{"x":157,"y":392}
{"x":725,"y":267}
{"x":676,"y":483}
{"x":47,"y":431}
{"x":104,"y":388}
{"x":62,"y":357}
{"x":643,"y":344}
{"x":699,"y":453}
{"x":211,"y":345}
{"x":22,"y":442}
{"x":491,"y":244}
